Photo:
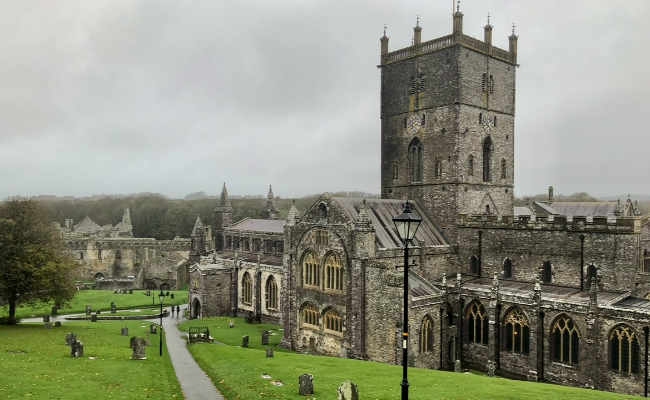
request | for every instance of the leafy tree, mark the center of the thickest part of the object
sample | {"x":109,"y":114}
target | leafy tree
{"x":33,"y":266}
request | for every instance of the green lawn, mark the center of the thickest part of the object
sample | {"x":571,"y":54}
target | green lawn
{"x":221,"y":332}
{"x":36,"y":363}
{"x":238,"y":373}
{"x":101,"y":299}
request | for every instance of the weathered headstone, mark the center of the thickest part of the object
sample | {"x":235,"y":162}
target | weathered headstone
{"x":130,"y":291}
{"x":138,"y":348}
{"x":147,"y":342}
{"x":167,"y":294}
{"x":125,"y":331}
{"x":93,"y":318}
{"x":77,"y":349}
{"x":98,"y":312}
{"x":457,"y":368}
{"x":269,"y":352}
{"x":55,"y":310}
{"x":348,"y":391}
{"x":132,"y":342}
{"x":265,"y":337}
{"x":113,"y":308}
{"x":46,"y":318}
{"x":148,"y":292}
{"x":47,"y":325}
{"x":172,"y":296}
{"x":88,"y":310}
{"x":115,"y":291}
{"x":306,"y":385}
{"x":491,"y":367}
{"x":57,"y":324}
{"x":70,"y":338}
{"x":244,"y":342}
{"x":231,"y":324}
{"x":153,"y":329}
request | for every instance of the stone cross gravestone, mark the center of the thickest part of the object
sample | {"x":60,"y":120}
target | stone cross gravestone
{"x":269,"y":352}
{"x":457,"y":366}
{"x":306,"y":385}
{"x":244,"y":342}
{"x":47,"y":325}
{"x":46,"y":318}
{"x":125,"y":331}
{"x":138,"y":348}
{"x":265,"y":337}
{"x":348,"y":391}
{"x":77,"y":349}
{"x":88,"y":310}
{"x":57,"y":324}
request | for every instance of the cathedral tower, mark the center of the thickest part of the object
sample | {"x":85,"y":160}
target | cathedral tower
{"x":447,"y":124}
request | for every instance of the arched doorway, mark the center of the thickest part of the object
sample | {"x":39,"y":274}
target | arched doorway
{"x":164,"y":286}
{"x":196,"y":309}
{"x":99,"y":275}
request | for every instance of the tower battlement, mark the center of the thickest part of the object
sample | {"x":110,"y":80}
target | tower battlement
{"x":559,"y":222}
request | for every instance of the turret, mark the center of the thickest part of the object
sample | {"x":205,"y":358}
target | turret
{"x":223,"y":217}
{"x":198,"y":240}
{"x":487,"y":32}
{"x":417,"y":33}
{"x":270,"y":209}
{"x":458,"y":21}
{"x":384,"y":45}
{"x":513,"y":45}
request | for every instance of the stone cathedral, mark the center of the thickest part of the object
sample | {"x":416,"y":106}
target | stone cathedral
{"x":553,"y":291}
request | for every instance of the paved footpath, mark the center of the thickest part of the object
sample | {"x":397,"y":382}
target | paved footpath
{"x":195,"y":383}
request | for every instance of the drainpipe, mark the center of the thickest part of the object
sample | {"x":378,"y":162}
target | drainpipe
{"x":582,"y":262}
{"x":645,"y":389}
{"x":480,"y":252}
{"x":441,"y":331}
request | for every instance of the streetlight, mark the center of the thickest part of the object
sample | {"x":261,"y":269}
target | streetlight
{"x":407,"y":223}
{"x":161,"y":297}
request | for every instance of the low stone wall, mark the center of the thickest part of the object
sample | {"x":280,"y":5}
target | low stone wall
{"x":118,"y":317}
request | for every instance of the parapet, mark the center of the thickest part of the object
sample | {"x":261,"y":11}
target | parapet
{"x":557,"y":222}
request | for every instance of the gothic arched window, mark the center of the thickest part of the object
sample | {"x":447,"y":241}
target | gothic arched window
{"x":624,"y":350}
{"x":565,"y":340}
{"x":592,"y":272}
{"x":547,"y":272}
{"x":470,"y":168}
{"x":426,"y":335}
{"x":310,"y":315}
{"x":247,"y":289}
{"x":507,"y":268}
{"x":517,"y":332}
{"x":487,"y":159}
{"x":477,"y":324}
{"x":271,"y":293}
{"x":473,"y":265}
{"x":415,"y":157}
{"x":333,"y":321}
{"x":310,"y":270}
{"x":333,"y":272}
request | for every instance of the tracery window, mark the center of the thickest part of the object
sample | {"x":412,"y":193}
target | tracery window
{"x":311,"y":270}
{"x":624,"y":350}
{"x":517,"y":332}
{"x":487,"y":160}
{"x":470,"y":169}
{"x":333,"y":273}
{"x":426,"y":335}
{"x":507,"y":268}
{"x":247,"y":289}
{"x":321,"y":237}
{"x":271,"y":294}
{"x":566,"y":340}
{"x":415,"y":158}
{"x":477,"y":324}
{"x":310,"y":315}
{"x":473,"y":265}
{"x":333,"y":321}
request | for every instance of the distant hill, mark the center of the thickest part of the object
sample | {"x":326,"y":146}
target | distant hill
{"x":638,"y":197}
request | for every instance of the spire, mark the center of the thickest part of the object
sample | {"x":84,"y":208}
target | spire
{"x":198,"y":225}
{"x":225,"y":200}
{"x":293,"y":217}
{"x":270,"y":209}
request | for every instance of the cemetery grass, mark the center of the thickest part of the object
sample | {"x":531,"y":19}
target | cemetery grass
{"x":221,"y":332}
{"x":36,"y":363}
{"x":238,"y":372}
{"x":100,"y":299}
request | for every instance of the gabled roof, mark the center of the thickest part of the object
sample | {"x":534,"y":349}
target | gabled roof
{"x":585,"y":208}
{"x":87,"y":225}
{"x":382,"y":212}
{"x":420,"y":287}
{"x":259,"y":225}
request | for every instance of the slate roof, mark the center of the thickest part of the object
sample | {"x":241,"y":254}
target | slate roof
{"x":420,"y":287}
{"x":251,"y":257}
{"x":634,"y":303}
{"x":381,"y":213}
{"x":597,"y":208}
{"x":260,"y":225}
{"x":523,"y":211}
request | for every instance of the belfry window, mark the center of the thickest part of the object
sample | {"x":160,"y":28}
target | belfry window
{"x":473,"y":265}
{"x":547,"y":272}
{"x":484,"y":83}
{"x":566,"y":341}
{"x":517,"y":332}
{"x":477,"y":324}
{"x":438,"y":167}
{"x":487,"y":159}
{"x":491,"y":84}
{"x":624,"y":350}
{"x":426,"y":335}
{"x":394,"y":169}
{"x":415,"y":158}
{"x":507,"y":268}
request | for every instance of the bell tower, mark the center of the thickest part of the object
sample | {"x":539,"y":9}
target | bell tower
{"x":447,"y":124}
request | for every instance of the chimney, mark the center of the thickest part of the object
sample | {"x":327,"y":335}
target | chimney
{"x":550,"y":195}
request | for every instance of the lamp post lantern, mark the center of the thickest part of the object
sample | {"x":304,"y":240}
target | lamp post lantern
{"x":161,"y":297}
{"x":407,"y":223}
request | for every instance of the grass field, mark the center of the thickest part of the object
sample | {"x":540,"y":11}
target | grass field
{"x":238,"y":373}
{"x":36,"y":363}
{"x":101,"y":299}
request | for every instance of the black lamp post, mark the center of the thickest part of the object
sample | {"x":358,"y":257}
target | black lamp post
{"x":407,"y":223}
{"x":161,"y":297}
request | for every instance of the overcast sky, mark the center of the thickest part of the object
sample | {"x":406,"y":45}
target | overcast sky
{"x":124,"y":96}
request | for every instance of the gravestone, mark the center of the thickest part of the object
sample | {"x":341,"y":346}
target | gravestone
{"x":138,"y":348}
{"x":125,"y":331}
{"x":457,"y":366}
{"x":46,"y":318}
{"x":47,"y":325}
{"x":148,"y":292}
{"x":348,"y":391}
{"x":88,"y":310}
{"x":231,"y":324}
{"x":113,"y":308}
{"x":269,"y":352}
{"x":93,"y":318}
{"x":167,"y":294}
{"x":77,"y":349}
{"x":55,"y":310}
{"x":244,"y":342}
{"x":153,"y":329}
{"x":265,"y":337}
{"x":130,"y":291}
{"x":98,"y":312}
{"x":57,"y":324}
{"x":132,"y":342}
{"x":172,"y":296}
{"x":70,"y":338}
{"x":306,"y":385}
{"x":491,"y":367}
{"x":147,"y":342}
{"x":115,"y":291}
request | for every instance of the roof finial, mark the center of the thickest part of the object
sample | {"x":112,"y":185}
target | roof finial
{"x":513,"y":28}
{"x":384,"y":29}
{"x":458,"y":6}
{"x":417,"y":21}
{"x":488,"y":18}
